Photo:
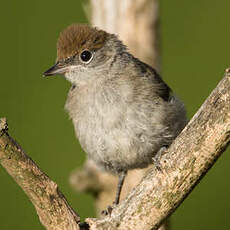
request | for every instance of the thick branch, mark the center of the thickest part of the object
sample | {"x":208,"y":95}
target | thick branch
{"x":135,"y":21}
{"x":52,"y":208}
{"x":188,"y":159}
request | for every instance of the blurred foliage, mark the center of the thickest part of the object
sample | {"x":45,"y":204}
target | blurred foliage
{"x":195,"y":52}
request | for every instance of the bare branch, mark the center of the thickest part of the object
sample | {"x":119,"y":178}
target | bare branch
{"x":158,"y":195}
{"x":136,"y":23}
{"x":51,"y":206}
{"x":187,"y":160}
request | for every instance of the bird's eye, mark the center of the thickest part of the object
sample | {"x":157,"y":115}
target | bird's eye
{"x":86,"y":56}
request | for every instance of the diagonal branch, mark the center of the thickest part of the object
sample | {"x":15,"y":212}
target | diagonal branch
{"x":158,"y":195}
{"x":52,"y":208}
{"x":187,"y":160}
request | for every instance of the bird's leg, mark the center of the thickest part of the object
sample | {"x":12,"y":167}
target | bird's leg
{"x":157,"y":157}
{"x":121,"y":180}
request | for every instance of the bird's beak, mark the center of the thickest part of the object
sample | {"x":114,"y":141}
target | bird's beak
{"x":57,"y":69}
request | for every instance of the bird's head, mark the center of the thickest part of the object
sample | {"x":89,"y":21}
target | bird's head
{"x":83,"y":52}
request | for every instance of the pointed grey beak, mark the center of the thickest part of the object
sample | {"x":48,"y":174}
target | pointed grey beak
{"x":57,"y":69}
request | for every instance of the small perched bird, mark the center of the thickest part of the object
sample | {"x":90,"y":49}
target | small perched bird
{"x":123,"y":112}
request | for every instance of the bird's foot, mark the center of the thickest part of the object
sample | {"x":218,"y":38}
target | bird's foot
{"x":107,"y":211}
{"x":157,"y":157}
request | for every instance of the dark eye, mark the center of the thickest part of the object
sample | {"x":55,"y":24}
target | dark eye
{"x":86,"y":56}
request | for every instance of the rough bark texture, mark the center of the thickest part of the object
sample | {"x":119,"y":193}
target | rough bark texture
{"x":187,"y":160}
{"x":51,"y":206}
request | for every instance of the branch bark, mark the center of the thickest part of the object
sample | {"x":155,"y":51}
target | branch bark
{"x":51,"y":206}
{"x":187,"y":160}
{"x":135,"y":21}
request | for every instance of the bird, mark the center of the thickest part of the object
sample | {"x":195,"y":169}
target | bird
{"x":123,"y":112}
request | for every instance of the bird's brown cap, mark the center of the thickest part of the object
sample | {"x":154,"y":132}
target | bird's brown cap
{"x":78,"y":37}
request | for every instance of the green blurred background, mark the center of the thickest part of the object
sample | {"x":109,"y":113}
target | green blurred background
{"x":195,"y":52}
